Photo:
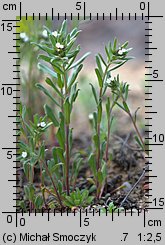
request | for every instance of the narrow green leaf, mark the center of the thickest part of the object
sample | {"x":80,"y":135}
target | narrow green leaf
{"x":135,"y":114}
{"x":100,"y":177}
{"x":117,"y":66}
{"x":64,"y":27}
{"x":104,"y":169}
{"x":44,"y":57}
{"x":49,"y":81}
{"x":98,"y":62}
{"x":126,"y":91}
{"x":73,"y":94}
{"x":95,"y":120}
{"x":94,"y":93}
{"x":115,"y":44}
{"x":51,"y":115}
{"x":60,"y":81}
{"x":70,"y":44}
{"x":74,"y":75}
{"x":74,"y":33}
{"x":60,"y":153}
{"x":72,"y":59}
{"x":92,"y":164}
{"x":38,"y":202}
{"x":46,"y":92}
{"x":139,"y":142}
{"x":124,"y":45}
{"x":47,"y":70}
{"x":26,"y":169}
{"x":79,"y":61}
{"x":48,"y":50}
{"x":96,"y":141}
{"x":108,"y":54}
{"x":102,"y":59}
{"x":108,"y":107}
{"x":125,"y":106}
{"x":120,"y":106}
{"x":53,"y":40}
{"x":47,"y":29}
{"x":42,"y":152}
{"x":60,"y":138}
{"x":84,"y":195}
{"x":90,"y":199}
{"x":100,"y":80}
{"x":56,"y":66}
{"x":67,"y":111}
{"x":99,"y":108}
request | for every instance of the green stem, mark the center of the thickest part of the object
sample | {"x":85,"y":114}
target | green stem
{"x":67,"y":157}
{"x":98,"y":132}
{"x":54,"y":186}
{"x":109,"y":129}
{"x":135,"y":127}
{"x":67,"y":150}
{"x":98,"y":126}
{"x":108,"y":138}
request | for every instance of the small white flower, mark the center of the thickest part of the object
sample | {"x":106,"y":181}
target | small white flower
{"x":122,"y":51}
{"x":43,"y":124}
{"x":90,"y":116}
{"x":22,"y":35}
{"x":39,"y":124}
{"x":109,"y":80}
{"x":24,"y":154}
{"x":45,"y":33}
{"x":61,"y":46}
{"x":55,"y":33}
{"x":58,"y":45}
{"x":26,"y":39}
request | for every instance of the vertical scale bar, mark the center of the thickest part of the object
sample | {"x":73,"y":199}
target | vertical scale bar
{"x":80,"y":218}
{"x":20,"y":9}
{"x":17,"y":100}
{"x":144,"y":218}
{"x":84,"y":10}
{"x":148,"y":67}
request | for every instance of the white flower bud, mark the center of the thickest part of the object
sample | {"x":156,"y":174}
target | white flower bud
{"x":90,"y":116}
{"x":24,"y":154}
{"x":43,"y":124}
{"x":45,"y":33}
{"x":122,"y":51}
{"x":61,"y":46}
{"x":58,"y":45}
{"x":22,"y":35}
{"x":55,"y":33}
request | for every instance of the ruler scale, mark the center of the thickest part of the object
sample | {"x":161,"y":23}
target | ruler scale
{"x":142,"y":227}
